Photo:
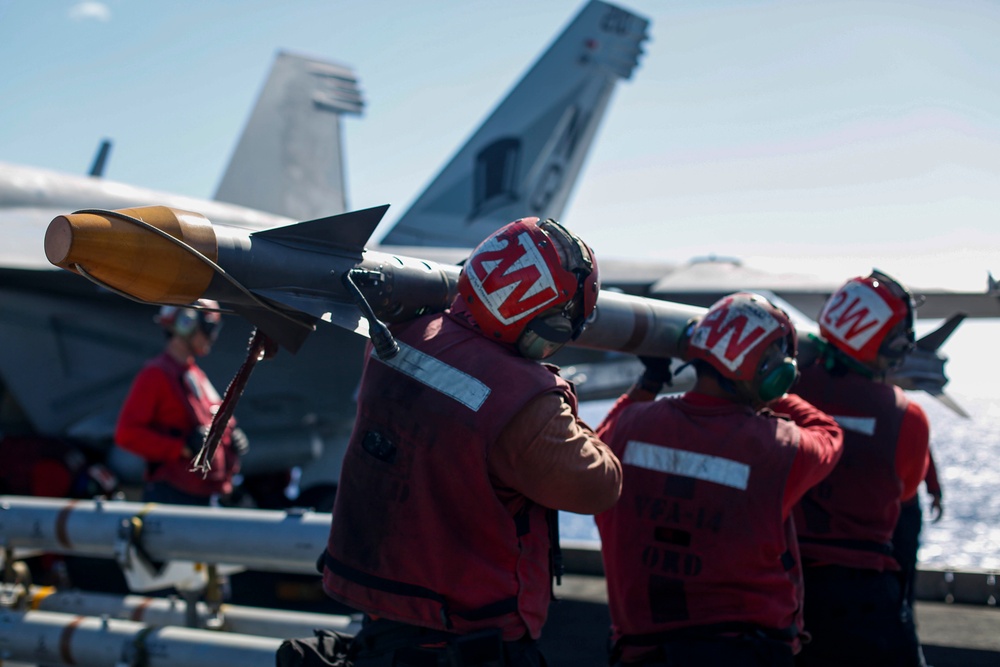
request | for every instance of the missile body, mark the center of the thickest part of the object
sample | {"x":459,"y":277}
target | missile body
{"x":173,"y":611}
{"x":167,"y":532}
{"x":286,"y":279}
{"x":49,"y":638}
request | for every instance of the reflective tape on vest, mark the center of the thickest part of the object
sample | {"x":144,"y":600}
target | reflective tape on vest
{"x":438,"y":375}
{"x":865,"y":425}
{"x":687,"y":464}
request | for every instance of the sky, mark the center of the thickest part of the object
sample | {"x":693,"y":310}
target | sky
{"x":810,"y":137}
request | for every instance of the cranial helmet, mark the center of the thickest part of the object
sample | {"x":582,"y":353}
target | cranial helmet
{"x":749,"y":341}
{"x":185,"y":321}
{"x":531,"y":284}
{"x":868,"y":318}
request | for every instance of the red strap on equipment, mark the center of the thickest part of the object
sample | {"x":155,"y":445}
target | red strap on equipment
{"x":260,"y":347}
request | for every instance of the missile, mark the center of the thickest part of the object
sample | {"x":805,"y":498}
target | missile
{"x":923,"y":368}
{"x":285,"y":280}
{"x":50,"y":638}
{"x":106,"y":529}
{"x":174,"y":610}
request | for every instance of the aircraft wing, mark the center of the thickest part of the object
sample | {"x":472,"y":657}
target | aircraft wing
{"x":703,"y":282}
{"x":23,"y":230}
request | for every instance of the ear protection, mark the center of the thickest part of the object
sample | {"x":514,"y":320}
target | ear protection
{"x":544,"y":335}
{"x":185,"y":322}
{"x":778,"y":381}
{"x":775,"y":382}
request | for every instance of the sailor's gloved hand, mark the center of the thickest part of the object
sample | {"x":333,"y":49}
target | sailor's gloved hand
{"x":240,"y":442}
{"x":937,"y":508}
{"x":656,"y":373}
{"x":194,"y":442}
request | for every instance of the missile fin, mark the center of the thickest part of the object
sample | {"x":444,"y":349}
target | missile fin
{"x":343,"y":234}
{"x":936,"y":338}
{"x":946,"y":400}
{"x":348,"y":317}
{"x":342,"y":314}
{"x":282,"y":329}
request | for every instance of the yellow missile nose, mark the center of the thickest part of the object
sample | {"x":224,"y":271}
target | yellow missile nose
{"x":134,"y":259}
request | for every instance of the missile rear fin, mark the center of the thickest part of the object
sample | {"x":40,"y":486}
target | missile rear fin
{"x":936,"y":338}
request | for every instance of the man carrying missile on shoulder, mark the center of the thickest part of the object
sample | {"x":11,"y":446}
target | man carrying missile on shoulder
{"x":855,"y":606}
{"x":169,"y":410}
{"x":444,"y":527}
{"x":700,"y":554}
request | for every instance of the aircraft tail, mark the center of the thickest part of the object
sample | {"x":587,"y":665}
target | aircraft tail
{"x":289,"y":160}
{"x":525,"y":159}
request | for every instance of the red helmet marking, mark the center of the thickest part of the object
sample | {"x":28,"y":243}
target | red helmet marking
{"x":855,"y":314}
{"x":512,"y":279}
{"x":729,"y":334}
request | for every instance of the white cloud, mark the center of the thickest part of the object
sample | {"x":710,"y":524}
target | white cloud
{"x":85,"y":11}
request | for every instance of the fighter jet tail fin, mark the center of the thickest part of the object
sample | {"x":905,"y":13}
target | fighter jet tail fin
{"x":289,"y":158}
{"x":526,"y":156}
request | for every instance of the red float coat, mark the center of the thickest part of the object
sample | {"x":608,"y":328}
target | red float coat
{"x":168,"y":401}
{"x":702,"y":535}
{"x":848,"y":519}
{"x":418,"y":533}
{"x":39,"y":466}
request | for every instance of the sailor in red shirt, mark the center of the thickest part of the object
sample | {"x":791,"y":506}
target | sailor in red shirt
{"x":855,"y":606}
{"x":700,"y":552}
{"x":444,"y":528}
{"x":169,"y":410}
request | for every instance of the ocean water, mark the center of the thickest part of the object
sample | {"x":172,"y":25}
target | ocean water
{"x":967,"y":454}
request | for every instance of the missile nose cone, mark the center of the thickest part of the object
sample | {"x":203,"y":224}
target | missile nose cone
{"x":58,"y":241}
{"x":131,"y":251}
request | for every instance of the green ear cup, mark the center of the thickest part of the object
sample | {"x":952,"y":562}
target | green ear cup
{"x":778,"y":382}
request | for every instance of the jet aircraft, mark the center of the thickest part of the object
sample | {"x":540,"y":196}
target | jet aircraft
{"x":71,"y":348}
{"x":524,"y":160}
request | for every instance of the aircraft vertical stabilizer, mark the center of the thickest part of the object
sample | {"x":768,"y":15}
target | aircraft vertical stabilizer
{"x":525,"y":159}
{"x":288,"y":160}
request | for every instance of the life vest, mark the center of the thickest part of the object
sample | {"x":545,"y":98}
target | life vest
{"x":848,"y":518}
{"x":192,"y":388}
{"x":418,"y":534}
{"x":39,"y":466}
{"x":697,"y":539}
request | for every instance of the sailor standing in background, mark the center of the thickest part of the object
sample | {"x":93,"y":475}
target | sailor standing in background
{"x":700,"y":553}
{"x":855,"y":605}
{"x":906,"y":536}
{"x":169,"y":409}
{"x":444,"y":528}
